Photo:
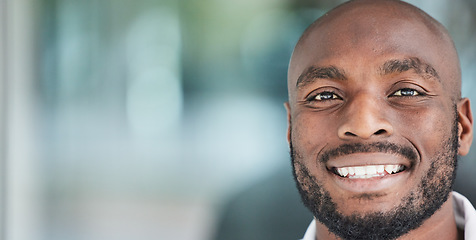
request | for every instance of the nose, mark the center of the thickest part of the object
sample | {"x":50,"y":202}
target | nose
{"x":364,"y":117}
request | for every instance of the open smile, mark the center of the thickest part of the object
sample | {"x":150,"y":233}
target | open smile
{"x":369,"y":172}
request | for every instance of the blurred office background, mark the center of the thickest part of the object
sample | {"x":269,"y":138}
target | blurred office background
{"x":151,"y":119}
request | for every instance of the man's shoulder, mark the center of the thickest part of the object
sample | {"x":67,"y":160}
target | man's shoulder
{"x":465,"y":215}
{"x":311,"y":231}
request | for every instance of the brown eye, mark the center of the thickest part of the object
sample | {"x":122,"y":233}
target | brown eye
{"x":326,"y":96}
{"x":406,"y":92}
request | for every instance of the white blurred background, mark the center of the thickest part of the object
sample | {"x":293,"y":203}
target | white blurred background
{"x":139,"y":119}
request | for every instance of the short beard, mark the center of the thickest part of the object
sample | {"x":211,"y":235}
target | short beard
{"x":433,"y":190}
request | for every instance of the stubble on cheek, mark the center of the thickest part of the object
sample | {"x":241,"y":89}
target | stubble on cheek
{"x":438,"y":180}
{"x":307,"y":184}
{"x":437,"y":183}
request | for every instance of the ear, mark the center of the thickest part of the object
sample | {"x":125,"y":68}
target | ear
{"x":288,"y":111}
{"x":465,"y":126}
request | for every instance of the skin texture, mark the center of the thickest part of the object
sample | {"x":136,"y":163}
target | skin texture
{"x":370,"y":73}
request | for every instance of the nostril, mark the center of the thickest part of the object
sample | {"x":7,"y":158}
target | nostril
{"x":381,"y":131}
{"x":364,"y":129}
{"x":350,"y":134}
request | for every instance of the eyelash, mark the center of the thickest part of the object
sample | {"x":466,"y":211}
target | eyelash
{"x":400,"y":93}
{"x":313,"y":97}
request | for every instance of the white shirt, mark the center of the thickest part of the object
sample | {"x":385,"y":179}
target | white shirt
{"x":465,"y":216}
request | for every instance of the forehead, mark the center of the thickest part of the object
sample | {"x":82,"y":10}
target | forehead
{"x":363,"y":35}
{"x":365,"y":39}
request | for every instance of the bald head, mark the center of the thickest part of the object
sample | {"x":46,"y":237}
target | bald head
{"x":380,"y":28}
{"x":356,"y":9}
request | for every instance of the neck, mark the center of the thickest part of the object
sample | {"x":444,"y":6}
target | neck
{"x":441,"y":225}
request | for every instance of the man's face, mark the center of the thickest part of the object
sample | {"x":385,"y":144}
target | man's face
{"x":373,"y":123}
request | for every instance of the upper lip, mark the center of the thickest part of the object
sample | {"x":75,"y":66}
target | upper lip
{"x":366,"y":159}
{"x":369,"y":153}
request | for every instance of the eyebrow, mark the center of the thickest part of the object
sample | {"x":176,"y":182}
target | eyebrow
{"x":407,"y":64}
{"x":314,"y":72}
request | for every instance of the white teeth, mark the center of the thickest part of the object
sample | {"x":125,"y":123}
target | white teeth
{"x":368,"y":171}
{"x":393,"y":168}
{"x":371,"y":170}
{"x":351,"y":171}
{"x":389,"y":169}
{"x":343,"y":172}
{"x":359,"y":171}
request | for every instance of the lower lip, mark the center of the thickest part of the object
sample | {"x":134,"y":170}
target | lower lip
{"x":374,"y":184}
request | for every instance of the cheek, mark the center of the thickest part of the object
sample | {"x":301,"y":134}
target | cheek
{"x":310,"y":133}
{"x":427,"y":129}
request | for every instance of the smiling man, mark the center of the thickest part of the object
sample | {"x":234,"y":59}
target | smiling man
{"x":376,"y":123}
